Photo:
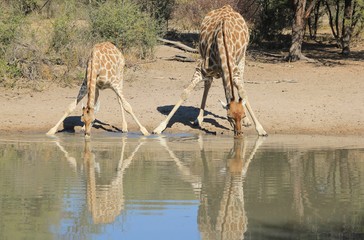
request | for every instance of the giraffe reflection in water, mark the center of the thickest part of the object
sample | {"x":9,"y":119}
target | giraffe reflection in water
{"x":221,"y":212}
{"x":105,"y":202}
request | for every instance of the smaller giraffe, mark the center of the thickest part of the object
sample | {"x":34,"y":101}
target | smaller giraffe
{"x":224,"y":38}
{"x":104,"y":70}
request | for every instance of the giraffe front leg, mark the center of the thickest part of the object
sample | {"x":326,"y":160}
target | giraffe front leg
{"x":69,"y":110}
{"x":197,"y":77}
{"x":239,"y":83}
{"x":246,"y":121}
{"x":97,"y":105}
{"x":127,"y":107}
{"x":200,"y":116}
{"x":258,"y":127}
{"x":124,"y":127}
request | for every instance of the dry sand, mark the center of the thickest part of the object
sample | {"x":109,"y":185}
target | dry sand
{"x":322,"y":98}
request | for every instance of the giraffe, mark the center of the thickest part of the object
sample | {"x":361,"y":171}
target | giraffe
{"x":224,"y":37}
{"x":104,"y":70}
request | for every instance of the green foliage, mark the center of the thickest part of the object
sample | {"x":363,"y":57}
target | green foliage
{"x":9,"y":22}
{"x":71,"y":40}
{"x":8,"y":71}
{"x":63,"y":27}
{"x":62,"y":32}
{"x":160,"y":10}
{"x":25,"y":6}
{"x":188,"y":14}
{"x":274,"y":17}
{"x":126,"y":26}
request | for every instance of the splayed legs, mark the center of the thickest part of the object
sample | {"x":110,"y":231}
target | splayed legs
{"x":197,"y":77}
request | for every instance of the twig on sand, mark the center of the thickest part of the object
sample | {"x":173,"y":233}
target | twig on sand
{"x":180,"y":58}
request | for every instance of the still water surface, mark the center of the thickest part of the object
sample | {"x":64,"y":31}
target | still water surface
{"x":181,"y":187}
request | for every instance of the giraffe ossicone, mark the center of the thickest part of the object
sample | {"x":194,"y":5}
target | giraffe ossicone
{"x":224,"y":37}
{"x":105,"y":69}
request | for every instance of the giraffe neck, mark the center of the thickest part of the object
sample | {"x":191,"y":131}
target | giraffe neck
{"x":91,"y":80}
{"x":228,"y":62}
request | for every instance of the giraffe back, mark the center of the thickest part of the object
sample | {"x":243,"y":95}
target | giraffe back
{"x":106,"y":66}
{"x":221,"y":25}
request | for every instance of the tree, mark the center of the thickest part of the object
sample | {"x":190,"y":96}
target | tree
{"x":351,"y":24}
{"x":298,"y":31}
{"x":347,"y":28}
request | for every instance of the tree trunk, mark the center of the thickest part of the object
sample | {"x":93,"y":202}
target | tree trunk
{"x":346,"y":30}
{"x":298,"y":31}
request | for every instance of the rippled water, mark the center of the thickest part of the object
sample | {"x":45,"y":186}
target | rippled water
{"x":181,"y":187}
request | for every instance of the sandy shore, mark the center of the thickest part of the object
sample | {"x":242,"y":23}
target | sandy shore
{"x":288,"y":98}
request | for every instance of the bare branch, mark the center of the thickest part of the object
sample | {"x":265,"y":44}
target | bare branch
{"x":309,"y":9}
{"x":179,"y":45}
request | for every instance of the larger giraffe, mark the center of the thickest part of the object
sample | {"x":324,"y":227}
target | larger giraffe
{"x":223,"y":42}
{"x":104,"y":70}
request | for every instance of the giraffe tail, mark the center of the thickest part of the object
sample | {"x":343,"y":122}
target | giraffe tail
{"x":83,"y":90}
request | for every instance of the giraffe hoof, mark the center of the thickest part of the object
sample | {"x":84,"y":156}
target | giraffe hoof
{"x":145,"y":132}
{"x":51,"y":132}
{"x":196,"y":123}
{"x":263,"y":133}
{"x":160,"y":128}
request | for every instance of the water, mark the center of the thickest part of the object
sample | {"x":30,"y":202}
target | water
{"x":181,"y":187}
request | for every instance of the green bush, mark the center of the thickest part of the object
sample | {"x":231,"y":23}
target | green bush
{"x":62,"y":29}
{"x":71,"y":40}
{"x":275,"y":16}
{"x":8,"y":71}
{"x":126,"y":26}
{"x":9,"y":22}
{"x":25,"y":6}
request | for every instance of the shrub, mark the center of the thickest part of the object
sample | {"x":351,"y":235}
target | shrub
{"x":126,"y":26}
{"x":188,"y":14}
{"x":71,"y":41}
{"x":275,"y":16}
{"x":160,"y":10}
{"x":8,"y":71}
{"x":9,"y":22}
{"x":25,"y":6}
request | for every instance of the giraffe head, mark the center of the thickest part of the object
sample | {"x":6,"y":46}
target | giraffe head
{"x":88,"y":117}
{"x":235,"y":113}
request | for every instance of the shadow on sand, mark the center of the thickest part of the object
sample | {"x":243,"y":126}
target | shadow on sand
{"x":187,"y":116}
{"x":71,"y":122}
